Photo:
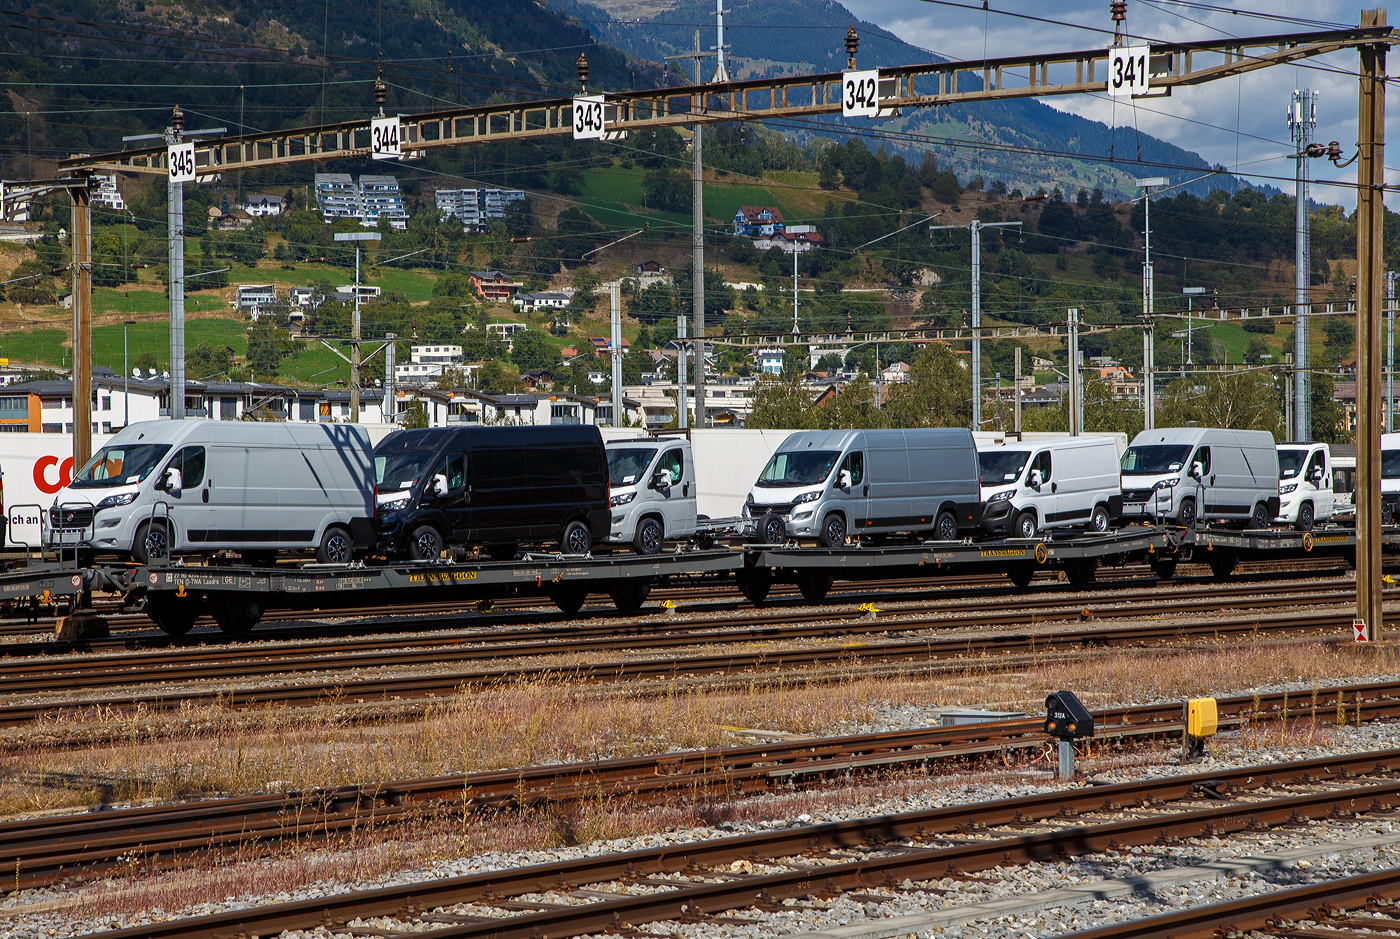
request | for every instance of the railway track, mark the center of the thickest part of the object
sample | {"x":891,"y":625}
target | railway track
{"x":919,"y":653}
{"x":48,"y":850}
{"x":694,"y":882}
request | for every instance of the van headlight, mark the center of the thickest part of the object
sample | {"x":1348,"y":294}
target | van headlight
{"x":1166,"y":483}
{"x":1000,"y":496}
{"x":808,"y":497}
{"x":395,"y":505}
{"x":621,"y":498}
{"x":1285,"y":490}
{"x":111,"y":502}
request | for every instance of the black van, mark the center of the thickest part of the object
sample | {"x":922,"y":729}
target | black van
{"x":493,"y":487}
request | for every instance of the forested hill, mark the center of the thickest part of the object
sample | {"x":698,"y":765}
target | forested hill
{"x":80,"y":74}
{"x":778,"y":37}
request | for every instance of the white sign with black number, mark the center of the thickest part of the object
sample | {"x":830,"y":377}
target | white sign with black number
{"x":860,"y":93}
{"x":588,"y":117}
{"x":1127,"y":70}
{"x":180,"y":159}
{"x":385,"y":138}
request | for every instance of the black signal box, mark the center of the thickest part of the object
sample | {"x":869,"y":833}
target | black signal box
{"x":1066,"y":718}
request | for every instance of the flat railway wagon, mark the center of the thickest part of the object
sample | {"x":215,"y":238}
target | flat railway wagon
{"x":175,"y":595}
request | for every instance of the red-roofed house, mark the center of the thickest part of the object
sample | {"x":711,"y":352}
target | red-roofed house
{"x":492,"y":285}
{"x":757,"y":220}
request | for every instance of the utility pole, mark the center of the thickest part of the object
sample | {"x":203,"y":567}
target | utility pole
{"x":1076,"y":386}
{"x":1370,"y":216}
{"x":1017,"y":391}
{"x":1302,"y":121}
{"x":616,"y":343}
{"x":682,"y":405}
{"x":357,"y":237}
{"x":175,"y":224}
{"x":82,"y":327}
{"x":389,"y":403}
{"x":975,"y":227}
{"x":1390,"y":352}
{"x":794,"y":292}
{"x":1149,"y":348}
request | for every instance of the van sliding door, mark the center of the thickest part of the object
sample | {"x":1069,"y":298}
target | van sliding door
{"x":499,"y":481}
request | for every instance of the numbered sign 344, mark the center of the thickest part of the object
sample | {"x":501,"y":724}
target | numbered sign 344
{"x":385,"y":138}
{"x":180,"y":159}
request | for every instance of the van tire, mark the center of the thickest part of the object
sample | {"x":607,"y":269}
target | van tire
{"x":425,"y":544}
{"x":1259,"y":519}
{"x":945,"y":528}
{"x":335,"y":547}
{"x":152,"y":543}
{"x":576,"y":538}
{"x":772,"y":529}
{"x":648,"y":536}
{"x":1025,"y":525}
{"x":1186,"y":515}
{"x":1098,"y":521}
{"x":833,"y":532}
{"x":1305,"y":517}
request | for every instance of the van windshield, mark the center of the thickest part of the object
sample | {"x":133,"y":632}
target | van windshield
{"x":797,"y":468}
{"x":395,"y":471}
{"x":1290,"y":463}
{"x":1000,"y":467}
{"x":625,"y":467}
{"x":120,"y":465}
{"x":1390,"y":464}
{"x":1154,"y":458}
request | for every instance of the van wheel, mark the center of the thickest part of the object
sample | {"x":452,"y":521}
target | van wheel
{"x":1305,"y":517}
{"x":576,"y":539}
{"x":772,"y":529}
{"x":1025,"y":525}
{"x":1186,"y":515}
{"x":335,"y":546}
{"x":1260,"y":518}
{"x":833,"y":533}
{"x":152,"y":544}
{"x":946,"y":527}
{"x":1098,"y":522}
{"x":426,"y":544}
{"x":647,"y":538}
{"x":236,"y":614}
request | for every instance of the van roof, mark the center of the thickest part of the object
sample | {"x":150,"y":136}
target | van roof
{"x":840,"y":439}
{"x":1258,"y":438}
{"x":1051,"y":443}
{"x":269,"y":433}
{"x":431,"y":438}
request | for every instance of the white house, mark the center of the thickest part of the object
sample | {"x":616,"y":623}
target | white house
{"x":544,"y":300}
{"x":253,"y":298}
{"x":263,"y":205}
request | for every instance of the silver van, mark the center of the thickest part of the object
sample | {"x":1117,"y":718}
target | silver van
{"x":161,"y":488}
{"x":651,"y":492}
{"x":830,"y":484}
{"x":1304,"y":484}
{"x":1188,"y":474}
{"x":1030,"y":485}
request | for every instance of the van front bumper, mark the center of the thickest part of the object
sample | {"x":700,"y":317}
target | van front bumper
{"x":999,"y":517}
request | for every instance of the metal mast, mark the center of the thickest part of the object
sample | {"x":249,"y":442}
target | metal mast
{"x":1302,"y":121}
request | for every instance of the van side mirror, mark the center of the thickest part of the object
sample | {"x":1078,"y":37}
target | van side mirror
{"x":439,"y":485}
{"x":1034,"y":480}
{"x":662,"y":479}
{"x":843,"y":479}
{"x":1197,"y":471}
{"x":1316,"y":475}
{"x":171,"y":482}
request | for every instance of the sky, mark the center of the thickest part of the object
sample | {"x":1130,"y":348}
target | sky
{"x":1240,"y":122}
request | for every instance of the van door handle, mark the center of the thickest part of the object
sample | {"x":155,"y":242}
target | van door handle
{"x":866,"y":490}
{"x":1212,"y":479}
{"x":685,"y":489}
{"x":1054,"y":487}
{"x":206,"y":495}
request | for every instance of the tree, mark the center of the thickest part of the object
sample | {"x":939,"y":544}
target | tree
{"x":415,"y":415}
{"x":495,"y":377}
{"x":145,"y":361}
{"x":829,"y":363}
{"x":267,"y":346}
{"x":206,"y":361}
{"x":782,"y":403}
{"x":666,"y":190}
{"x":1247,"y":399}
{"x":937,"y":394}
{"x":530,"y":350}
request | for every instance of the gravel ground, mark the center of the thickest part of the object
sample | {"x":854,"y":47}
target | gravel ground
{"x":1000,"y":903}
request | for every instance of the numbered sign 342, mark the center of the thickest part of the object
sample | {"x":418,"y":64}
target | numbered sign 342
{"x":180,"y":159}
{"x":1127,"y":70}
{"x":385,"y":138}
{"x":860,"y":93}
{"x":588,"y":117}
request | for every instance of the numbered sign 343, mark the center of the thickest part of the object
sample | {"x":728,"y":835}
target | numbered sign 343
{"x":1127,"y":70}
{"x":860,"y":93}
{"x":588,"y":117}
{"x":180,"y":159}
{"x":385,"y":138}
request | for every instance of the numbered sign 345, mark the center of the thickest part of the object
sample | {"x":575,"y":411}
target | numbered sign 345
{"x":860,"y":93}
{"x":385,"y":138}
{"x":1127,"y":70}
{"x":588,"y":117}
{"x":180,"y":159}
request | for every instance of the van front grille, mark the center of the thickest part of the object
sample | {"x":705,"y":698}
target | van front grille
{"x":70,"y":517}
{"x":761,"y":510}
{"x":1137,"y":495}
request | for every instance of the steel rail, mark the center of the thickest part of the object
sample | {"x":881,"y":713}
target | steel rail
{"x":46,"y":850}
{"x":898,"y":856}
{"x":848,"y":653}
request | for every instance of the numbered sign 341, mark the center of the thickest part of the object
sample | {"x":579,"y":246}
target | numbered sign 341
{"x":1127,"y":70}
{"x":385,"y":138}
{"x":860,"y":93}
{"x":180,"y":159}
{"x":588,"y":117}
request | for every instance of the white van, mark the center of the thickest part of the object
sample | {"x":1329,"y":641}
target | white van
{"x":160,"y":488}
{"x":1030,"y":485}
{"x":1201,"y":473}
{"x":1390,"y":477}
{"x":828,"y":484}
{"x":651,"y":492}
{"x":1304,"y":484}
